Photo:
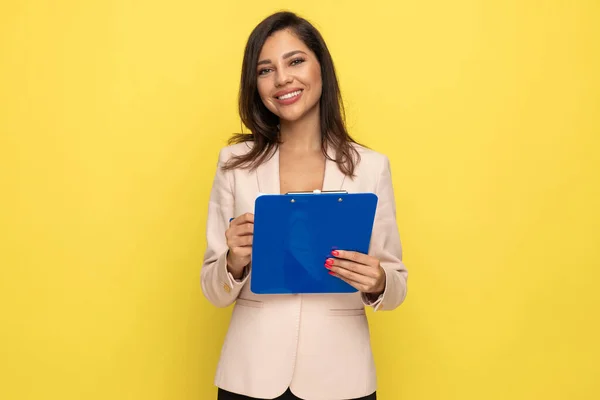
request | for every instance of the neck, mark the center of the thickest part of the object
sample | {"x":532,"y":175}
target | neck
{"x":303,"y":135}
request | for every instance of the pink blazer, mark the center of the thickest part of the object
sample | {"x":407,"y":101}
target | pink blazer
{"x":318,"y":345}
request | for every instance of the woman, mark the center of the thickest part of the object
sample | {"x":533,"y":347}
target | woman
{"x":309,"y":346}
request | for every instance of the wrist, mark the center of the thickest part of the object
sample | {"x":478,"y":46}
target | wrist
{"x":380,"y":288}
{"x":235,"y":271}
{"x":237,"y":274}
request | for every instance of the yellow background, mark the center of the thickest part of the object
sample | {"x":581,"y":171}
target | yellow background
{"x":111,"y":117}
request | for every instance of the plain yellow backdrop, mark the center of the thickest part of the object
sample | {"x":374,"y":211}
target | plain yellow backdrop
{"x":111,"y":117}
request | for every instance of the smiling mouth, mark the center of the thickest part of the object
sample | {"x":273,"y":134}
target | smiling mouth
{"x":289,"y":95}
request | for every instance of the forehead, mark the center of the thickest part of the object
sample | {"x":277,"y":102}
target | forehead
{"x":280,"y":43}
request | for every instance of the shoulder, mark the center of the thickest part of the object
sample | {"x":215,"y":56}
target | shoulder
{"x":234,"y":150}
{"x":373,"y":169}
{"x":370,"y":159}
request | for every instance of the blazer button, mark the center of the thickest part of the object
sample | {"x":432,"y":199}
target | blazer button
{"x":226,"y":288}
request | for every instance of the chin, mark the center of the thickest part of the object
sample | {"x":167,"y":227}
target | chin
{"x":294,"y":115}
{"x":291,"y":117}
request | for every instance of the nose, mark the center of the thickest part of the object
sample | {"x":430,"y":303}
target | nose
{"x":282,"y":77}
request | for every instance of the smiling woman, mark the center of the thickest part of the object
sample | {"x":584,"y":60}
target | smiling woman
{"x":285,"y":55}
{"x":298,"y":72}
{"x":275,"y":347}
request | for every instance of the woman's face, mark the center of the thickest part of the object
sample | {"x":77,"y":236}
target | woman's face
{"x":288,"y":76}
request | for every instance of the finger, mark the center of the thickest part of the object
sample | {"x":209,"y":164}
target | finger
{"x":357,"y":285}
{"x":246,"y":240}
{"x":242,"y":251}
{"x":242,"y":230}
{"x":360,"y":269}
{"x":242,"y":241}
{"x":354,"y":256}
{"x":352,"y":276}
{"x":243,"y":219}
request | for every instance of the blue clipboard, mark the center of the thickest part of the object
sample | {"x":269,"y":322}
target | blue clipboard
{"x":295,"y":233}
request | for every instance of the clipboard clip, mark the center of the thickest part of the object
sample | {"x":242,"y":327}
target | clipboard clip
{"x":319,"y":192}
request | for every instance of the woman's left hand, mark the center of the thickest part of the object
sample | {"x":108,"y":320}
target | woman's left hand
{"x":359,"y":270}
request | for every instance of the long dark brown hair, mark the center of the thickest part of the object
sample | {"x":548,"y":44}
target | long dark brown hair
{"x":263,"y":124}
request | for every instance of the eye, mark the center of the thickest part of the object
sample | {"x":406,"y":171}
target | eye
{"x":297,"y":61}
{"x":263,"y":71}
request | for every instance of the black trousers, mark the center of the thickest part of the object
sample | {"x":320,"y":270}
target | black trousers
{"x":288,"y":395}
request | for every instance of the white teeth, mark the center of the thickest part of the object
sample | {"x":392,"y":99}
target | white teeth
{"x":290,"y":95}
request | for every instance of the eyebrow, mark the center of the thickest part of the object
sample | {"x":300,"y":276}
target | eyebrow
{"x":286,"y":55}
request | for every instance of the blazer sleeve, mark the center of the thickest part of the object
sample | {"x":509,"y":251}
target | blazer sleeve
{"x":218,"y":285}
{"x":386,"y":246}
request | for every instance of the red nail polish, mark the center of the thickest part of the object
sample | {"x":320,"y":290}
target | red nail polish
{"x":335,"y":253}
{"x":329,"y":261}
{"x":331,"y":273}
{"x":327,"y":266}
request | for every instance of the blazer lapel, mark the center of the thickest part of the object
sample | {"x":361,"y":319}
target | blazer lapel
{"x":267,"y":175}
{"x":334,"y":178}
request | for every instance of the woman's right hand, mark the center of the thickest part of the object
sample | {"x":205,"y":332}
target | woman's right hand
{"x":239,"y":240}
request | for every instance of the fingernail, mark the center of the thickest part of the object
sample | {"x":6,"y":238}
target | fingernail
{"x":335,"y":253}
{"x":331,"y":273}
{"x":327,"y":266}
{"x":329,"y":261}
